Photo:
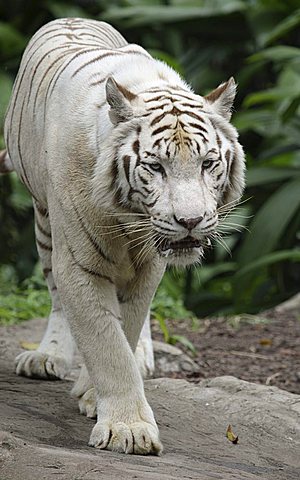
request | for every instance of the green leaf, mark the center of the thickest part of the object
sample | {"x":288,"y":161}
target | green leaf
{"x":6,"y":84}
{"x":147,"y":15}
{"x":12,"y":42}
{"x":261,"y":121}
{"x":163,"y":326}
{"x":270,"y":222}
{"x":275,"y":54}
{"x":20,"y":197}
{"x":264,"y":175}
{"x":267,"y":260}
{"x":273,"y":94}
{"x":63,"y":10}
{"x":184,"y":341}
{"x":285,"y":26}
{"x":207,"y":272}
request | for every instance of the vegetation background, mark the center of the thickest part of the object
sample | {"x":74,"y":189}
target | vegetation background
{"x":207,"y":41}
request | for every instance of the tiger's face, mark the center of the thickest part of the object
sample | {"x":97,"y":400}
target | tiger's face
{"x":180,"y":181}
{"x":177,"y":161}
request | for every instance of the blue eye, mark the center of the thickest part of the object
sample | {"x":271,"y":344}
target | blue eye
{"x":157,"y":167}
{"x":207,"y":163}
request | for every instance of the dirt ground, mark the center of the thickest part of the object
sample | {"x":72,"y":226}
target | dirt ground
{"x":42,"y":435}
{"x":263,"y":349}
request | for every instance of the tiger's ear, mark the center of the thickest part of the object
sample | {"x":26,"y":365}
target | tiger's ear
{"x":119,"y":99}
{"x":222,"y":98}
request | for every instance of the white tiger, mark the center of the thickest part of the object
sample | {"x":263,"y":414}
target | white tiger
{"x":127,"y":168}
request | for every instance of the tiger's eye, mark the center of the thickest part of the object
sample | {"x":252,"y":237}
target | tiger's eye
{"x":157,"y":167}
{"x":207,"y":163}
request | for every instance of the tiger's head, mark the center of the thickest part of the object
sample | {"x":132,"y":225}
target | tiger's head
{"x":176,"y":159}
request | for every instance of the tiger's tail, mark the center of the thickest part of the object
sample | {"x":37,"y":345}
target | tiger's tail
{"x":5,"y":162}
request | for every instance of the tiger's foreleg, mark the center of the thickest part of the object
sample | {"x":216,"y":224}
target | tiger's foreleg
{"x":125,"y":421}
{"x":53,"y":358}
{"x":83,"y":389}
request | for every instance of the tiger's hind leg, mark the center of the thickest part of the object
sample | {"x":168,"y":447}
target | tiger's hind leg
{"x":53,"y":358}
{"x":144,"y":355}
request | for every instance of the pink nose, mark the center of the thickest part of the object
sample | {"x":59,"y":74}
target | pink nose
{"x":189,"y":223}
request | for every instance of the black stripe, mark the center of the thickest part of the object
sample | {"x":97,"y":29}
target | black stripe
{"x":190,"y":106}
{"x":158,"y":119}
{"x":198,"y":127}
{"x":160,"y":106}
{"x":147,"y":190}
{"x":20,"y":78}
{"x":195,"y":115}
{"x":136,"y":149}
{"x":229,"y":159}
{"x":151,"y":204}
{"x":96,"y":246}
{"x":45,"y":74}
{"x":114,"y":174}
{"x":42,"y":211}
{"x":160,"y":97}
{"x":161,"y":129}
{"x":58,"y":73}
{"x":165,"y":229}
{"x":142,"y":179}
{"x":46,"y":271}
{"x":197,"y":147}
{"x":121,"y":298}
{"x":227,"y":156}
{"x":35,"y":40}
{"x":43,"y":246}
{"x":219,"y":142}
{"x":184,"y":96}
{"x":104,"y":55}
{"x":97,"y":82}
{"x":108,"y":35}
{"x":88,"y":270}
{"x":137,"y":52}
{"x":24,"y":174}
{"x":157,"y":142}
{"x":126,"y":163}
{"x":45,"y":56}
{"x":214,"y":167}
{"x":41,"y":229}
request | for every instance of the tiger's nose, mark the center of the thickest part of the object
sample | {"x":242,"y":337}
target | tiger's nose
{"x":189,"y":223}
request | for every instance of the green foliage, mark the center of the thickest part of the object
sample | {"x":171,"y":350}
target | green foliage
{"x":207,"y":41}
{"x":18,"y":303}
{"x":167,"y":305}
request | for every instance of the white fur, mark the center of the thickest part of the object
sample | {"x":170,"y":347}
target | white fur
{"x":65,"y":133}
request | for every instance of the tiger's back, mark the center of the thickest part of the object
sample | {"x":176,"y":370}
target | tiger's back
{"x":49,"y":53}
{"x":59,"y":94}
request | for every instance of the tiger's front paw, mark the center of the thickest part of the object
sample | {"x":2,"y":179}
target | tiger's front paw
{"x":41,"y":365}
{"x":126,"y":428}
{"x":140,"y":438}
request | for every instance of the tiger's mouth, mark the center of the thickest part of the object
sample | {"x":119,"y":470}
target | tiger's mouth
{"x":184,"y":246}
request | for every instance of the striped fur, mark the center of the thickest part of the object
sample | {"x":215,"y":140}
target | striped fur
{"x":128,"y":168}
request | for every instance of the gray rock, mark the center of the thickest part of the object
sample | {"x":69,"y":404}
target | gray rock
{"x":44,"y":437}
{"x":170,"y":359}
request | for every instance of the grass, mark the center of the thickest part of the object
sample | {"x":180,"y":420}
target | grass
{"x":31,"y":299}
{"x":22,"y":302}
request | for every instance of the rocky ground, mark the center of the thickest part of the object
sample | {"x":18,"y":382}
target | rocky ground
{"x":44,"y":437}
{"x":263,"y":349}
